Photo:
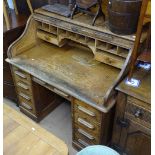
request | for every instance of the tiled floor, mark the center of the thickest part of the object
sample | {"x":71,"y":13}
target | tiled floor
{"x":58,"y":122}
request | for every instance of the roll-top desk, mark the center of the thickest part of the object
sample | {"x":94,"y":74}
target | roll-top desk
{"x":58,"y":56}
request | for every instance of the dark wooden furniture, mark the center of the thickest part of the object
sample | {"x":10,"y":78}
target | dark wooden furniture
{"x":78,"y":61}
{"x":86,"y":5}
{"x":132,"y":125}
{"x":123,"y":16}
{"x":17,"y":25}
{"x":143,"y":13}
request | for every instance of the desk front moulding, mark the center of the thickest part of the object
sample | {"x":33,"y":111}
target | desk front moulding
{"x":57,"y":56}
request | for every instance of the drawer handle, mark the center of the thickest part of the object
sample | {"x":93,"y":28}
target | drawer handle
{"x":82,"y":121}
{"x":20,"y":74}
{"x":85,"y":134}
{"x":60,"y":92}
{"x":90,"y":113}
{"x":83,"y":143}
{"x":26,"y":106}
{"x":24,"y":96}
{"x":22,"y":85}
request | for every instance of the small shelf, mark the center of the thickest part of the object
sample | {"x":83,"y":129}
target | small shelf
{"x":62,"y":32}
{"x":122,"y":51}
{"x":101,"y":45}
{"x":53,"y":29}
{"x":81,"y":39}
{"x":45,"y":27}
{"x":90,"y":41}
{"x":71,"y":35}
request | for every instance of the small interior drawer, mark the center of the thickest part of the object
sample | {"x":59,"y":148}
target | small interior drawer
{"x":87,"y":112}
{"x":49,"y":37}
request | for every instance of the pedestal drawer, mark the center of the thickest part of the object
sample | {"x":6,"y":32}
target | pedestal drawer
{"x":22,"y":87}
{"x":89,"y":126}
{"x":85,"y":135}
{"x":87,"y":112}
{"x":20,"y":75}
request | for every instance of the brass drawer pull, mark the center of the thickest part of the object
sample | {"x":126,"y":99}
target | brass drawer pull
{"x":83,"y":143}
{"x":26,"y":106}
{"x":83,"y":122}
{"x":90,"y":113}
{"x":20,"y":74}
{"x":22,"y":85}
{"x":85,"y":134}
{"x":60,"y":92}
{"x":24,"y":96}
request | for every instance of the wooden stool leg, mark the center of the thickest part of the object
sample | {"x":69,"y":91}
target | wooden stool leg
{"x":6,"y":15}
{"x":29,"y":5}
{"x":99,"y":12}
{"x":15,"y":6}
{"x":74,"y":9}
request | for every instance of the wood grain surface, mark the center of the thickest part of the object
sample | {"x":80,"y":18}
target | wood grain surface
{"x":23,"y":136}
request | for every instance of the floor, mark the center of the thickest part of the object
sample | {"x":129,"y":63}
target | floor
{"x":58,"y":122}
{"x":22,"y":136}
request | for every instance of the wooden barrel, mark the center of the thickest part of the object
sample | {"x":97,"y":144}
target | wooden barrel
{"x":123,"y":16}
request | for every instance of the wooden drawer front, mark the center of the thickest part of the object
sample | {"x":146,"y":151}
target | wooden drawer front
{"x":87,"y":112}
{"x":85,"y":135}
{"x":23,"y":87}
{"x":89,"y":126}
{"x":138,"y":102}
{"x":138,"y":113}
{"x":26,"y":103}
{"x":21,"y":75}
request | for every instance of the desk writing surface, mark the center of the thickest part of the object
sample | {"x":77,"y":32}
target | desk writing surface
{"x":72,"y":69}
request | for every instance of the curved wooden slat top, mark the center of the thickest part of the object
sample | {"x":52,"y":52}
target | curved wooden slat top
{"x":23,"y":136}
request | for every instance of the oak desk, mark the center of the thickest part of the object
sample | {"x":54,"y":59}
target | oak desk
{"x":57,"y":56}
{"x":23,"y":136}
